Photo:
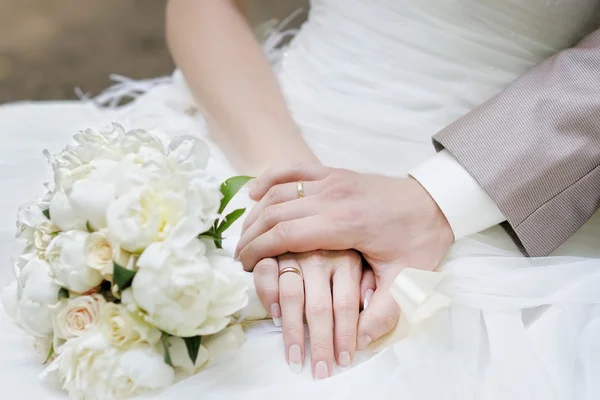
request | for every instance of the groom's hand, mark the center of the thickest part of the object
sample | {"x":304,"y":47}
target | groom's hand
{"x":394,"y":222}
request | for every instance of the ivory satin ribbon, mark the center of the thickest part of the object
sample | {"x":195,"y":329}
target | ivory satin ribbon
{"x":415,"y":292}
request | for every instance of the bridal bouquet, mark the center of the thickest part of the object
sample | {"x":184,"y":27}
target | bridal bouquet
{"x":122,"y":282}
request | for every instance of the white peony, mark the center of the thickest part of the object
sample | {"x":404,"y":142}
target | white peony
{"x":62,"y":213}
{"x":188,"y":288}
{"x":91,"y":195}
{"x":149,"y":214}
{"x":92,"y":369}
{"x":109,"y":143}
{"x":180,"y":357}
{"x":124,"y":329}
{"x":224,"y":343}
{"x":187,"y":154}
{"x":214,"y":349}
{"x":89,"y":145}
{"x":66,"y":257}
{"x":37,"y":294}
{"x":74,"y":316}
{"x":144,"y":370}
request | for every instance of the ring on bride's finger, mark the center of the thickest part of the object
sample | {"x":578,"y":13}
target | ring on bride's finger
{"x":291,"y":269}
{"x":300,"y":189}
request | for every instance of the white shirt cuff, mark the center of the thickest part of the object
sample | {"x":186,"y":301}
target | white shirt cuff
{"x":467,"y":207}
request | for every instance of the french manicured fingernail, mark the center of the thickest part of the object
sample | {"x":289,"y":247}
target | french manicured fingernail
{"x":344,"y":360}
{"x":295,"y":357}
{"x":364,"y":341}
{"x":321,"y":371}
{"x":276,"y":314}
{"x":368,"y":296}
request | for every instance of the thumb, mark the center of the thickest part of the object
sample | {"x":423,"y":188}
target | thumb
{"x":378,"y":319}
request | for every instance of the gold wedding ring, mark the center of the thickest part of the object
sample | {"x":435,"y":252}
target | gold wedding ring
{"x":291,"y":269}
{"x":300,"y":189}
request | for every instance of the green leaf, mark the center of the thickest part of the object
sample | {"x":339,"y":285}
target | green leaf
{"x":210,"y":234}
{"x":88,"y":226}
{"x":50,"y":353}
{"x":193,"y":346}
{"x":230,"y":187}
{"x":46,"y":213}
{"x":230,"y":219}
{"x":63,"y":293}
{"x":164,"y":339}
{"x":123,"y":277}
{"x":213,"y":235}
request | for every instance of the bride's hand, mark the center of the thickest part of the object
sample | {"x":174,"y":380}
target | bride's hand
{"x":329,"y":290}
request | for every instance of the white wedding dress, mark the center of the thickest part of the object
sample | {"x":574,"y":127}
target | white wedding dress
{"x":370,"y":82}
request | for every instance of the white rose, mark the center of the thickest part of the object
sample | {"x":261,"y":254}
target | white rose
{"x":181,"y":359}
{"x":66,"y":257}
{"x":62,"y":213}
{"x":43,"y":235}
{"x":77,"y":314}
{"x":38,"y":294}
{"x":99,"y":254}
{"x":124,"y":329}
{"x":186,"y":292}
{"x":92,"y":369}
{"x":151,"y":213}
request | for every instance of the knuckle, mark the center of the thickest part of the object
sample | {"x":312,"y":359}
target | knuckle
{"x":282,"y":230}
{"x":265,"y":268}
{"x":346,"y":304}
{"x":273,"y":195}
{"x":291,"y":296}
{"x":347,"y":338}
{"x":293,"y":331}
{"x":266,"y":290}
{"x":318,"y":310}
{"x":350,"y":256}
{"x":317,"y":258}
{"x":270,"y":215}
{"x":320,"y":347}
{"x":340,"y":173}
{"x":337,"y":193}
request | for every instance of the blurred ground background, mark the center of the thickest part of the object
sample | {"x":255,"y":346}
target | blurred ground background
{"x":49,"y":47}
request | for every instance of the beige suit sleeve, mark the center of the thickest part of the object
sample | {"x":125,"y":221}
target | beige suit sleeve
{"x":535,"y":148}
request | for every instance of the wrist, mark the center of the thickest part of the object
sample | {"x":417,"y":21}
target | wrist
{"x":429,"y":216}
